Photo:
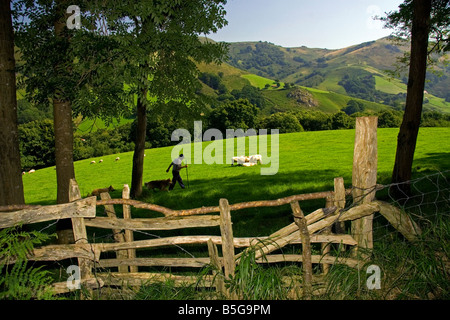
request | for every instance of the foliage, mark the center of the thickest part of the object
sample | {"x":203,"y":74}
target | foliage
{"x":37,"y":144}
{"x":37,"y":140}
{"x":341,"y":121}
{"x":213,"y":81}
{"x":27,"y":112}
{"x":103,"y":142}
{"x":353,"y":106}
{"x":408,"y":270}
{"x":389,"y":119}
{"x":238,"y":114}
{"x":255,"y":282}
{"x":435,"y":119}
{"x":313,"y":120}
{"x":166,"y":290}
{"x":284,"y":122}
{"x":401,"y":22}
{"x":22,"y":282}
{"x":363,"y":85}
{"x":252,"y":94}
{"x":47,"y":67}
{"x":163,"y":68}
{"x":312,"y":80}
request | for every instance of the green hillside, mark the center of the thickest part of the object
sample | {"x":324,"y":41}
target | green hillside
{"x":308,"y":162}
{"x":324,"y":69}
{"x":277,"y":96}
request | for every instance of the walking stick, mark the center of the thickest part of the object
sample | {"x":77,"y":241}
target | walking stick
{"x":187,"y":176}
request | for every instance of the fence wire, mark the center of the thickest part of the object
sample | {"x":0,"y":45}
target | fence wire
{"x":427,"y":203}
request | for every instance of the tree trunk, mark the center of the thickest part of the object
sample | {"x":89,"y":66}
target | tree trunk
{"x":407,"y":138}
{"x":11,"y":186}
{"x":139,"y":150}
{"x":62,"y":116}
{"x":62,"y":119}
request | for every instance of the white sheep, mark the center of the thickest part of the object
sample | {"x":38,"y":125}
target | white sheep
{"x":256,"y":158}
{"x":240,"y":160}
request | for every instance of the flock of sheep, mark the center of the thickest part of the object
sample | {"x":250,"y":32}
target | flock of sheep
{"x":101,"y":160}
{"x":248,"y":161}
{"x":92,"y":162}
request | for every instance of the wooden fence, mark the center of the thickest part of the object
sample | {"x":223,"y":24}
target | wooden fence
{"x":314,"y":227}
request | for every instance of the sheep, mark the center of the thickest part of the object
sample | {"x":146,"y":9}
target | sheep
{"x":256,"y":158}
{"x":31,"y":171}
{"x":240,"y":160}
{"x":93,"y":162}
{"x":117,"y":159}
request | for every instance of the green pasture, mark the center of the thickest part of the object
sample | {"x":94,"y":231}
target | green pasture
{"x":261,"y":82}
{"x":308,"y":162}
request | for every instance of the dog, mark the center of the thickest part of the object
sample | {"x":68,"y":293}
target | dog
{"x":97,"y":192}
{"x":158,"y":184}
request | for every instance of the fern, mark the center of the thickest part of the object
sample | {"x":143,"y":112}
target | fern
{"x":19,"y":281}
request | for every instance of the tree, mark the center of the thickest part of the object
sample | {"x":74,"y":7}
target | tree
{"x":283,"y":121}
{"x":37,"y":144}
{"x":341,"y":120}
{"x":11,"y":186}
{"x":418,"y":20}
{"x":159,"y":42}
{"x":237,"y":114}
{"x":252,"y":94}
{"x":65,"y":68}
{"x":353,"y":106}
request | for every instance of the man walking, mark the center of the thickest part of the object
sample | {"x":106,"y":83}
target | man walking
{"x":176,"y":172}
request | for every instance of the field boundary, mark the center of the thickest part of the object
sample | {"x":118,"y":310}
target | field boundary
{"x":315,"y":227}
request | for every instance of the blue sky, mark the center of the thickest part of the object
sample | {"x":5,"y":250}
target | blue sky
{"x":331,"y":24}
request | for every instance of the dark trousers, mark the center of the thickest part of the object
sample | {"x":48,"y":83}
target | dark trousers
{"x":176,"y":177}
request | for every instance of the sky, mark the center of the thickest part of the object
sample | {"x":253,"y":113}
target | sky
{"x":330,"y":24}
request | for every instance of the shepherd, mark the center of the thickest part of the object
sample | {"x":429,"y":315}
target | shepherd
{"x":176,"y":172}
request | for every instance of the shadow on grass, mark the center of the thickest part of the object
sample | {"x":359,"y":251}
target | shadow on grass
{"x":244,"y":187}
{"x":432,"y":162}
{"x":247,"y":187}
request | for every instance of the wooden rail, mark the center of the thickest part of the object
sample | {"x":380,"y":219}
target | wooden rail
{"x":306,"y":229}
{"x":83,"y":212}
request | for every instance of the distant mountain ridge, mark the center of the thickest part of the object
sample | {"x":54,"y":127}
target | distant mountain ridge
{"x":333,"y":76}
{"x":325,"y":69}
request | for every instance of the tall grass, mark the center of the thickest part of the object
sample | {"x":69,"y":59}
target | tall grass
{"x":253,"y":281}
{"x":408,"y":271}
{"x":308,"y":162}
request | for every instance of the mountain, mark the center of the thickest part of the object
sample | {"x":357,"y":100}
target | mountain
{"x":358,"y":71}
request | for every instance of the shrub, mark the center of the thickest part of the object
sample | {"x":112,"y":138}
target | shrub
{"x":22,"y":282}
{"x":285,"y":122}
{"x":238,"y":114}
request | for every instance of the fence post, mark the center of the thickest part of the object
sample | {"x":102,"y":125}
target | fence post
{"x":217,"y":265}
{"x":364,"y":176}
{"x":300,"y":221}
{"x":80,"y":234}
{"x":117,"y":233}
{"x":226,"y":231}
{"x":326,"y":246}
{"x":128,"y":233}
{"x":339,"y":202}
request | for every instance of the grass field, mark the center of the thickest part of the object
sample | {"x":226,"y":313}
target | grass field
{"x":308,"y":161}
